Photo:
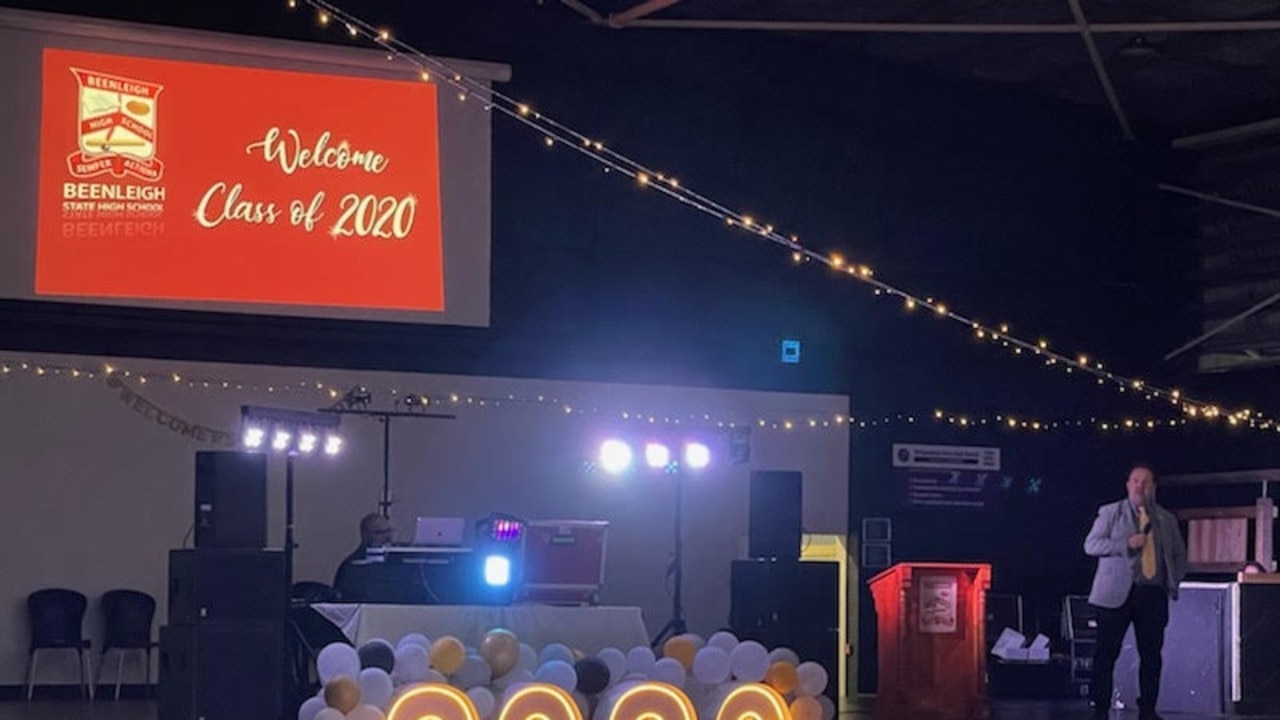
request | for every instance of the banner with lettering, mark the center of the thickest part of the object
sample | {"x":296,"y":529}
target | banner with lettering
{"x":191,"y":181}
{"x":167,"y":420}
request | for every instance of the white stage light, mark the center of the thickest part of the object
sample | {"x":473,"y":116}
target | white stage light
{"x":281,"y":440}
{"x":656,"y":455}
{"x":615,"y":456}
{"x":497,"y":571}
{"x":332,"y":445}
{"x":307,"y":442}
{"x":253,"y":437}
{"x":697,"y":455}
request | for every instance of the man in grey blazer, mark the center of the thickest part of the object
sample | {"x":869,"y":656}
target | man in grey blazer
{"x":1141,"y":560}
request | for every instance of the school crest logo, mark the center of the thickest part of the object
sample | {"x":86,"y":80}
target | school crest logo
{"x":116,"y":127}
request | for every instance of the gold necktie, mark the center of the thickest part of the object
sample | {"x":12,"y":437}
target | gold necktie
{"x":1148,"y":546}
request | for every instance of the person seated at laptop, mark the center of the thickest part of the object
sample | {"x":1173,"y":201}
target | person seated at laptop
{"x":375,"y":531}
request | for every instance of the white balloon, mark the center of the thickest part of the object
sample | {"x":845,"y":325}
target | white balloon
{"x":828,"y":707}
{"x":366,"y":712}
{"x":335,"y":660}
{"x":413,"y":661}
{"x":558,"y":673}
{"x":310,"y":708}
{"x":724,"y":640}
{"x":749,"y":661}
{"x":668,"y":670}
{"x":555,"y":651}
{"x":414,"y":639}
{"x":528,"y":658}
{"x":784,"y":654}
{"x":484,"y":701}
{"x":475,"y":672}
{"x":812,"y":679}
{"x":711,"y":665}
{"x":330,"y":714}
{"x":640,"y":659}
{"x":616,"y":661}
{"x":435,"y":676}
{"x":375,"y":688}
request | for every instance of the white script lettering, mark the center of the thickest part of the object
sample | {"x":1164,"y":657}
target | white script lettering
{"x":288,"y":149}
{"x":232,"y":207}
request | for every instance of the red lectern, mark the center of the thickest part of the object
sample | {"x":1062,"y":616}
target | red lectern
{"x":932,"y":647}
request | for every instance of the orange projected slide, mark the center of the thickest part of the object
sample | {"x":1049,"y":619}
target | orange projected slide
{"x":188,"y":181}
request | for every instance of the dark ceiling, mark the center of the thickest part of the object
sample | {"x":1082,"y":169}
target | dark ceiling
{"x":1177,"y":66}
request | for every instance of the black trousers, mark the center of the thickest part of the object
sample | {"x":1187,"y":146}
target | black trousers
{"x":1147,"y":608}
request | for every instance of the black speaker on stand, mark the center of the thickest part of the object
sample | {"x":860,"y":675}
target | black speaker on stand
{"x":231,"y":499}
{"x":773,"y":521}
{"x":223,"y":655}
{"x":775,"y":599}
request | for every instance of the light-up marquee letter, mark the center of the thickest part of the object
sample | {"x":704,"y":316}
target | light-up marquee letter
{"x":433,"y":700}
{"x":540,"y":702}
{"x":754,"y":702}
{"x":653,"y":701}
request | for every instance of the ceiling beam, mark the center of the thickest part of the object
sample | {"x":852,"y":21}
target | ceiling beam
{"x":1224,"y":136}
{"x":635,"y":12}
{"x":585,"y":10}
{"x":1259,"y":209}
{"x":960,"y":28}
{"x":1257,"y":308}
{"x":1103,"y":77}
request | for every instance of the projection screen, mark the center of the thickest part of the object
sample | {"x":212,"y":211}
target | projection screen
{"x":167,"y":168}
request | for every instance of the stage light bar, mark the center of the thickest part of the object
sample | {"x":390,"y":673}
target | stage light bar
{"x":617,"y":454}
{"x":291,"y":431}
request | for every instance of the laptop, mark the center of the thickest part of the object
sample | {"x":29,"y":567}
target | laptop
{"x":439,"y":531}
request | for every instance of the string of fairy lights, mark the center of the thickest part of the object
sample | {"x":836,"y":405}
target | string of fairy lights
{"x":556,"y":133}
{"x":403,"y":398}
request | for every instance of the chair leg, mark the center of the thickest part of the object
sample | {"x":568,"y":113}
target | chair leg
{"x":119,"y":671}
{"x":86,"y":672}
{"x":31,"y":671}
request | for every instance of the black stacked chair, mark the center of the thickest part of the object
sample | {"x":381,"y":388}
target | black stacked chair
{"x":57,"y":623}
{"x":310,"y":591}
{"x":127,"y":616}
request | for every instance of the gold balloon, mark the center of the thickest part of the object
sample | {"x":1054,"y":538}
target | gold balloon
{"x":342,"y":694}
{"x":806,"y":708}
{"x":781,"y":676}
{"x":501,"y":649}
{"x":448,"y":654}
{"x":681,"y":648}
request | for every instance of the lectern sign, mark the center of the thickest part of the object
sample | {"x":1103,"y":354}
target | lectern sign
{"x":937,"y":603}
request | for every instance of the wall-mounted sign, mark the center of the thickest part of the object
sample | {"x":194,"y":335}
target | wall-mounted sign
{"x":947,"y":476}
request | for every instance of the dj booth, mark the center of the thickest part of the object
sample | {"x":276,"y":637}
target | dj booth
{"x":549,"y":595}
{"x":588,"y":629}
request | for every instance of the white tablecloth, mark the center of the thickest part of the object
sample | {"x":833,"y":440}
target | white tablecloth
{"x":588,"y":629}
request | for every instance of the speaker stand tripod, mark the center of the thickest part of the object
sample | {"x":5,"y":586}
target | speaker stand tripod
{"x":676,"y":625}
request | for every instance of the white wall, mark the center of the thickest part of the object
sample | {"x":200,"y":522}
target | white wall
{"x":95,"y":493}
